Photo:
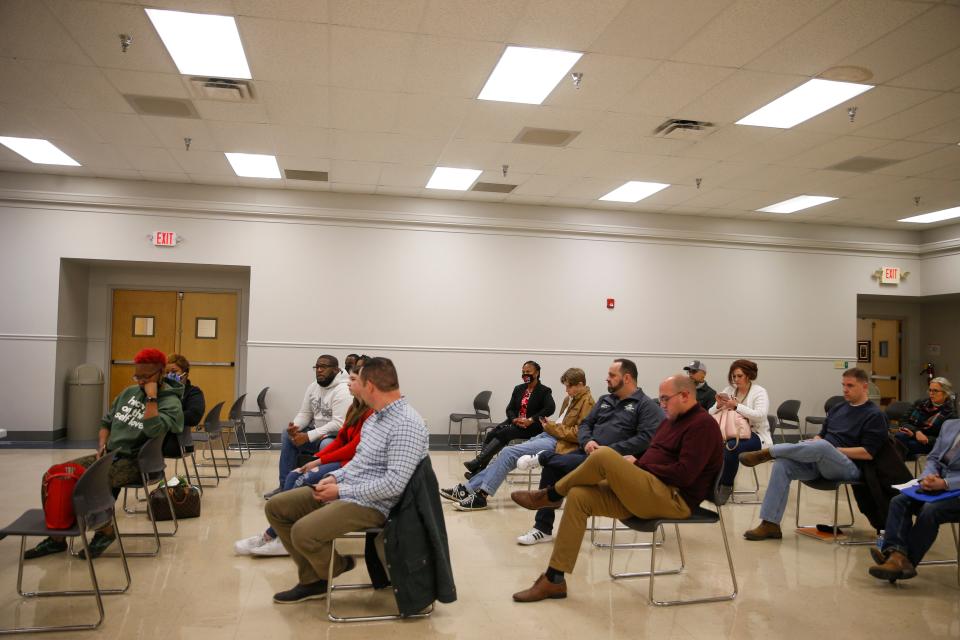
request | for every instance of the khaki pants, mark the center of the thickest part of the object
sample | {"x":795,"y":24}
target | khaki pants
{"x":607,"y":485}
{"x":307,"y":528}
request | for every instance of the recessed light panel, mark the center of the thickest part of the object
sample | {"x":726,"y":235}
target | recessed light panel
{"x":634,"y":191}
{"x":796,"y":204}
{"x":934,"y":216}
{"x":38,"y":151}
{"x":453,"y":179}
{"x":253,"y":165}
{"x":809,"y":99}
{"x":202,"y":44}
{"x":527,"y":75}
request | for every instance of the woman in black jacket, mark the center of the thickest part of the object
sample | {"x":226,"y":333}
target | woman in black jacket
{"x":178,"y":368}
{"x":529,"y":402}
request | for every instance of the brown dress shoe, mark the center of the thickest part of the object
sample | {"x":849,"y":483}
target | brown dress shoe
{"x":534,"y":500}
{"x":897,"y":567}
{"x":879,"y":557}
{"x":753,"y":458}
{"x":763,"y":531}
{"x":541,"y":590}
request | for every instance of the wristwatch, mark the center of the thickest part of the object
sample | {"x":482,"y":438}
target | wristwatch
{"x":151,"y":399}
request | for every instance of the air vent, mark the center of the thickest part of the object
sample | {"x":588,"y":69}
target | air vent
{"x":863,"y":164}
{"x":684,"y":129}
{"x":222,"y":89}
{"x":493,"y":187}
{"x":167,"y":107}
{"x":545,"y":137}
{"x":314,"y":176}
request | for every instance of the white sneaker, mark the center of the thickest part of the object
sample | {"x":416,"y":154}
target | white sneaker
{"x":534,"y":536}
{"x":528,"y":462}
{"x":247,"y":545}
{"x":272,"y":547}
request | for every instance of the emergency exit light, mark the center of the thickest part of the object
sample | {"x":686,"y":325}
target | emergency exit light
{"x":164,"y":239}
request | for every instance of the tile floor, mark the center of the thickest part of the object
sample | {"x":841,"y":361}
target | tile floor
{"x":796,"y":588}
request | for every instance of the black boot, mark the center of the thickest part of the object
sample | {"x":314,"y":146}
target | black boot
{"x":483,"y":458}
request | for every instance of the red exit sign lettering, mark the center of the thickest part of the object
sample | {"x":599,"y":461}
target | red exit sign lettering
{"x":164,"y":239}
{"x":890,"y":275}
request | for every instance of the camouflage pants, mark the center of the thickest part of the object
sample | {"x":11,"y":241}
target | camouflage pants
{"x":122,"y":471}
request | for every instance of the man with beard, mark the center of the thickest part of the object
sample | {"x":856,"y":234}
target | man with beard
{"x":324,"y":406}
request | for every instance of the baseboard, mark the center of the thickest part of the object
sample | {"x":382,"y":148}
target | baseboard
{"x":36,"y":436}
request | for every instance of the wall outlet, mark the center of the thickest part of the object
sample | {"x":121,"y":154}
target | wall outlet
{"x":841,"y":364}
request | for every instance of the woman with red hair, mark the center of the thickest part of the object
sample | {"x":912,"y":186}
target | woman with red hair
{"x":145,"y":410}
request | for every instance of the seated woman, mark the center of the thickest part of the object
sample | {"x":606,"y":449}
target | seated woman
{"x":193,"y":403}
{"x":335,"y":455}
{"x":920,"y":429}
{"x":561,"y":437}
{"x":751,"y":401}
{"x":529,"y":402}
{"x":145,"y":410}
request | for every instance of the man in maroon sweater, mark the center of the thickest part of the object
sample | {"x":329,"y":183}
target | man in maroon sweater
{"x":672,"y":477}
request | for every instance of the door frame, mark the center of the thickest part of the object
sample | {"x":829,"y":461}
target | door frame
{"x":904,"y":321}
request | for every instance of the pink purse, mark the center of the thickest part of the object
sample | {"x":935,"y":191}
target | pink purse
{"x":733,"y":426}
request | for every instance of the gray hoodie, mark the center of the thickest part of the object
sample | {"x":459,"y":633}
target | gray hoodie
{"x":324,"y":408}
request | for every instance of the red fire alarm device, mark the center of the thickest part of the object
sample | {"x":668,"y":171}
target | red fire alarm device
{"x":610,"y":303}
{"x":164,"y":239}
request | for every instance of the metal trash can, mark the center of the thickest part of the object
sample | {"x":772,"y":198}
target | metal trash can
{"x":84,"y":402}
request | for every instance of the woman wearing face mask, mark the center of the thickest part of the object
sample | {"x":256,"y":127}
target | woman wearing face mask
{"x":529,"y":402}
{"x":178,"y":368}
{"x":920,"y":429}
{"x":751,"y":401}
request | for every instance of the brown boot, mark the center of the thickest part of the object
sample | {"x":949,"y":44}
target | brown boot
{"x":541,"y":590}
{"x":763,"y":531}
{"x":897,"y":567}
{"x":534,"y":500}
{"x":753,"y":458}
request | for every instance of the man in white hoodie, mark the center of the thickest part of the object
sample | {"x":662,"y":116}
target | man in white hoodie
{"x":324,"y":406}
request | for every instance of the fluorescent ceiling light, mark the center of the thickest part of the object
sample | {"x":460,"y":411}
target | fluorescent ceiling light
{"x":934,"y":216}
{"x":202,"y":44}
{"x":253,"y":165}
{"x":634,"y":191}
{"x":453,"y":179}
{"x":527,"y":75}
{"x":38,"y":151}
{"x":804,"y":102}
{"x":796,"y":204}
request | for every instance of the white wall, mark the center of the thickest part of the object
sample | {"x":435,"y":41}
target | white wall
{"x":458,"y":293}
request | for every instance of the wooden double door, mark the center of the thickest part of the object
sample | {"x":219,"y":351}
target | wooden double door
{"x":199,"y":325}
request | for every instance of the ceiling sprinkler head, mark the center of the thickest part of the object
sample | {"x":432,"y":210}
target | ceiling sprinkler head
{"x":186,"y":143}
{"x":852,"y":112}
{"x":699,"y":180}
{"x":577,"y":78}
{"x":916,"y":201}
{"x":125,"y":42}
{"x":505,"y":168}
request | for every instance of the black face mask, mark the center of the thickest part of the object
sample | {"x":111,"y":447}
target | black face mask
{"x":527,"y":379}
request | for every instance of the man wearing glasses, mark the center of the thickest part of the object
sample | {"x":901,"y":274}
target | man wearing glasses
{"x":321,"y":414}
{"x":672,"y":477}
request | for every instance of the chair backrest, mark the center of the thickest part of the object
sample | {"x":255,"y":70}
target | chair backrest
{"x":211,"y":424}
{"x":236,"y":409}
{"x":897,"y":411}
{"x":774,"y":422}
{"x":831,"y":402}
{"x":262,"y":400}
{"x":715,"y":490}
{"x":481,"y":404}
{"x":150,"y":458}
{"x":789,"y":410}
{"x":93,"y":501}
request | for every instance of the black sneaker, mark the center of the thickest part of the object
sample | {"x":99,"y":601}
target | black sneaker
{"x":270,"y":494}
{"x":473,"y":502}
{"x":97,"y":546}
{"x":302,"y":593}
{"x":46,"y":547}
{"x":456,"y":494}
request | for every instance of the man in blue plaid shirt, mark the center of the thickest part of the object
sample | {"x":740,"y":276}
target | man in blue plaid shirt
{"x":358,"y":495}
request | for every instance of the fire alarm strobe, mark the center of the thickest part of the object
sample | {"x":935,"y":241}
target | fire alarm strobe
{"x":610,"y":303}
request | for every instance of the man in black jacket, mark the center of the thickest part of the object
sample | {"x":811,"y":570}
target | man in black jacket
{"x":529,"y":402}
{"x":706,"y":396}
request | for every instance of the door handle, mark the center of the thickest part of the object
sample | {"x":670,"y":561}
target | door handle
{"x":213,"y":364}
{"x":883,"y":377}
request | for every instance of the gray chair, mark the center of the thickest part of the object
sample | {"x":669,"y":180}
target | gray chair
{"x":211,"y":432}
{"x":261,"y":413}
{"x":898,"y":411}
{"x":481,"y":411}
{"x":152,"y":472}
{"x":788,"y":417}
{"x":94,"y":507}
{"x":184,"y":441}
{"x":822,"y":484}
{"x":236,"y":423}
{"x":700,"y":515}
{"x":831,"y":402}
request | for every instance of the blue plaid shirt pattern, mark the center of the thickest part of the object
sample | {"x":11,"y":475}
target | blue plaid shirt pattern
{"x":393,"y":442}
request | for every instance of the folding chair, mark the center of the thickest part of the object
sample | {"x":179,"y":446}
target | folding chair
{"x":237,"y":425}
{"x":261,"y":413}
{"x":822,"y":484}
{"x":152,"y":472}
{"x":481,"y":411}
{"x":212,"y":431}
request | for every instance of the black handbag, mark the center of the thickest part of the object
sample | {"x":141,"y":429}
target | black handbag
{"x":185,"y":499}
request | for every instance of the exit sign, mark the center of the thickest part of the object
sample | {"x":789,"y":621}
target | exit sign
{"x":164,"y":239}
{"x":890,"y":275}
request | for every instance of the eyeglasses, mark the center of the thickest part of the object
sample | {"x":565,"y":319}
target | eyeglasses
{"x":935,"y":391}
{"x":147,"y":377}
{"x":666,"y":399}
{"x":324,"y":366}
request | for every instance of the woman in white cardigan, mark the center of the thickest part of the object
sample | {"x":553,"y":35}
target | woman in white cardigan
{"x":751,"y":401}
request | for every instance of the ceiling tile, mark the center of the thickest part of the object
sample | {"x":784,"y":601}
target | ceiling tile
{"x":872,"y":107}
{"x":197,"y":162}
{"x":79,"y":87}
{"x":96,"y":156}
{"x":396,"y":15}
{"x":356,"y":110}
{"x":291,"y":103}
{"x":23,"y":86}
{"x":494,"y":121}
{"x":413,"y":150}
{"x":670,"y":87}
{"x":242,"y":137}
{"x":921,"y":117}
{"x":143,"y":83}
{"x":943,"y":156}
{"x":564,"y":24}
{"x":468,"y":154}
{"x":606,"y":81}
{"x":149,"y":159}
{"x":63,"y":124}
{"x":163,"y":176}
{"x":656,"y":28}
{"x":737,"y":95}
{"x":358,"y":173}
{"x":14,"y":121}
{"x":436,"y":117}
{"x":786,"y":143}
{"x":125,"y":129}
{"x":171,"y":132}
{"x":729,"y":141}
{"x":301,"y":141}
{"x":255,"y":112}
{"x":296,"y":10}
{"x":942,"y":74}
{"x":364,"y":59}
{"x":490,"y":20}
{"x":29,"y":30}
{"x":401,"y":175}
{"x":541,"y":186}
{"x":450,"y":67}
{"x":768,"y":178}
{"x":948,"y":132}
{"x":302,"y":163}
{"x":286,"y":51}
{"x":834,"y":151}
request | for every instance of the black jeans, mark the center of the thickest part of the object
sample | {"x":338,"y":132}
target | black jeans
{"x":554,"y":466}
{"x":505,"y":432}
{"x":913,"y":538}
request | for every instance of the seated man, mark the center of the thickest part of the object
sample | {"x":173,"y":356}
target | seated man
{"x":905,"y":542}
{"x":145,"y":410}
{"x":670,"y":479}
{"x":357,"y":496}
{"x":321,"y":415}
{"x":624,"y":420}
{"x":706,"y":396}
{"x":854,"y":430}
{"x":529,"y":402}
{"x":561,"y":437}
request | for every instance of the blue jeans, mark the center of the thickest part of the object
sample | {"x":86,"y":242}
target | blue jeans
{"x":806,"y":460}
{"x":312,"y":477}
{"x":289,"y":452}
{"x":493,"y":476}
{"x":731,"y":459}
{"x":914,"y":539}
{"x":914,"y":446}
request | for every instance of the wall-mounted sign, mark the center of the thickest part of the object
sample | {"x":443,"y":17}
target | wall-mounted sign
{"x":164,"y":239}
{"x":889,"y":275}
